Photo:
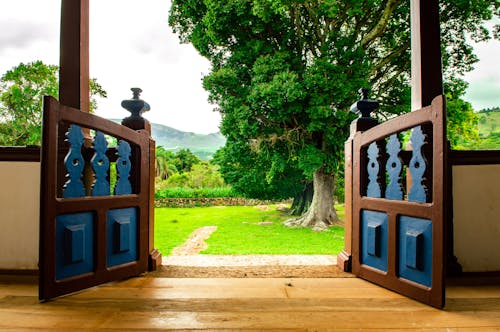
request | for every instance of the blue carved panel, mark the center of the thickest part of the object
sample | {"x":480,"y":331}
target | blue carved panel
{"x":415,"y":250}
{"x":74,"y":244}
{"x":373,"y":168}
{"x":374,"y":233}
{"x":418,"y":165}
{"x":74,"y":164}
{"x":122,"y":236}
{"x":374,"y":239}
{"x":100,"y":164}
{"x":393,"y":167}
{"x":123,"y":167}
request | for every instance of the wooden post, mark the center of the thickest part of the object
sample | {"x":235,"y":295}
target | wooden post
{"x":364,"y":107}
{"x":136,"y":107}
{"x":426,"y":72}
{"x":427,"y":83}
{"x":74,"y":90}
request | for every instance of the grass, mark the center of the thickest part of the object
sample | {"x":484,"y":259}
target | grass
{"x":243,"y":230}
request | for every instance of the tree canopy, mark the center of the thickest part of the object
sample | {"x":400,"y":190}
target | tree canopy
{"x":21,"y":95}
{"x":284,"y":74}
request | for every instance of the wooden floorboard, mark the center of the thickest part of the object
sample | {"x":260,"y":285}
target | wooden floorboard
{"x":229,"y":304}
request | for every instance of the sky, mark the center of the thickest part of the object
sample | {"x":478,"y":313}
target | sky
{"x":131,"y":45}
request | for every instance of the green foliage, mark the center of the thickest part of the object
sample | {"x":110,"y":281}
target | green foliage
{"x":254,"y":176}
{"x":201,"y":175}
{"x":205,"y":175}
{"x":21,"y":92}
{"x":203,"y":192}
{"x":178,"y":180}
{"x":164,"y":165}
{"x":184,"y":160}
{"x":239,"y":232}
{"x":284,"y":74}
{"x":462,"y":121}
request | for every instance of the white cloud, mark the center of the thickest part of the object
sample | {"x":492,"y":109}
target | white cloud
{"x":131,"y":45}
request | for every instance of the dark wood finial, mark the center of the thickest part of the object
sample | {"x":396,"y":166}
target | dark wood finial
{"x":136,"y":107}
{"x":364,"y":106}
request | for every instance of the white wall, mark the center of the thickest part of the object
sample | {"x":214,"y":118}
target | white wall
{"x":19,"y":216}
{"x":476,"y":211}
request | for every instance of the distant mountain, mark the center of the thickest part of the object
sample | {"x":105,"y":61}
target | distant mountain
{"x":203,"y":146}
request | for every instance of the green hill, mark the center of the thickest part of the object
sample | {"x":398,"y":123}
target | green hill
{"x":203,"y":146}
{"x":489,"y":130}
{"x":489,"y":122}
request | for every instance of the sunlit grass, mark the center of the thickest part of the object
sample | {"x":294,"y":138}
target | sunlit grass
{"x":243,"y":230}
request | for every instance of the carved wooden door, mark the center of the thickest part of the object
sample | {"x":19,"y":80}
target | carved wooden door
{"x":94,"y":211}
{"x":399,"y":204}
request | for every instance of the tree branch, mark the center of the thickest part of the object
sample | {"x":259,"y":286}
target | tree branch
{"x":379,"y":28}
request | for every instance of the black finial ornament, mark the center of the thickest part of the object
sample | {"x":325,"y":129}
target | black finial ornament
{"x":364,"y":106}
{"x":136,"y":107}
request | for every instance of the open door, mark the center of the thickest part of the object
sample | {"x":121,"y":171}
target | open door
{"x":94,"y":211}
{"x":399,"y":204}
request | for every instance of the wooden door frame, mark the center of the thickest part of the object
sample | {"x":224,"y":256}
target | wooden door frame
{"x":427,"y":83}
{"x":74,"y":89}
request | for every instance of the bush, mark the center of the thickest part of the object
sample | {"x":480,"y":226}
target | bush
{"x":178,"y":192}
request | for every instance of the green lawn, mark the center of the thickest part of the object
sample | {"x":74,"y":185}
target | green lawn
{"x":243,"y":230}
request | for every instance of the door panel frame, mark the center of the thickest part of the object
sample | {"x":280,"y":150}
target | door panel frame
{"x":434,"y":211}
{"x":51,"y":205}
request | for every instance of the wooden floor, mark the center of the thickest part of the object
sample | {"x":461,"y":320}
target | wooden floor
{"x":340,"y":304}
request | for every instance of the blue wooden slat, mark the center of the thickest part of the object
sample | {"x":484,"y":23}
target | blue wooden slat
{"x":123,"y":167}
{"x":74,"y":164}
{"x":100,"y":164}
{"x":373,"y":168}
{"x":415,"y":250}
{"x":417,"y":166}
{"x":394,"y":167}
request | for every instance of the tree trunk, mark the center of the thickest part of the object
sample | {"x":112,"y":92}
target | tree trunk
{"x":302,"y":200}
{"x":321,"y":213}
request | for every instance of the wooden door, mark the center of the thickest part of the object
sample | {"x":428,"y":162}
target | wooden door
{"x":94,"y":209}
{"x":398,"y":204}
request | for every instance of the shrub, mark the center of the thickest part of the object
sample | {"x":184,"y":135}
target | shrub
{"x":179,"y":192}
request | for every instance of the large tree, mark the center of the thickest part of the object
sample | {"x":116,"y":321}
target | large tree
{"x":21,"y":92}
{"x":285,"y":72}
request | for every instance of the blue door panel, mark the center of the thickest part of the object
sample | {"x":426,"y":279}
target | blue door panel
{"x":415,"y":250}
{"x":122,"y":236}
{"x":374,"y":239}
{"x":74,"y":244}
